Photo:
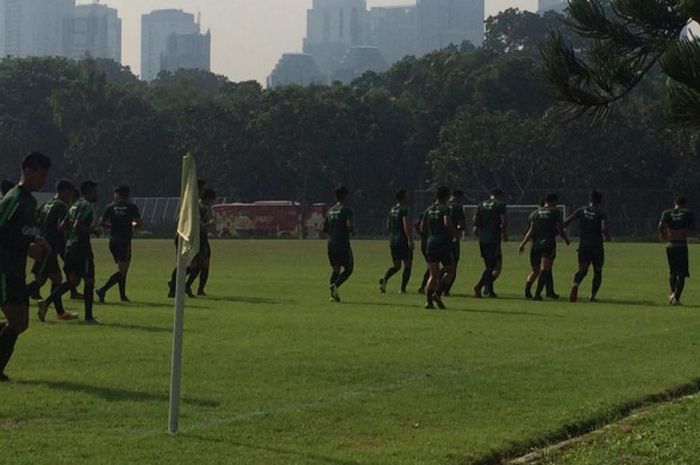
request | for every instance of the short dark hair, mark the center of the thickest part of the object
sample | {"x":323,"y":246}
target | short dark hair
{"x":6,"y":186}
{"x":680,"y":201}
{"x":87,"y":186}
{"x":596,"y":197}
{"x":401,"y":195}
{"x":443,"y":193}
{"x":36,"y":161}
{"x":122,"y":191}
{"x":551,"y":198}
{"x":458,"y":194}
{"x":64,"y":185}
{"x":496,"y":192}
{"x":209,"y":194}
{"x":342,"y":193}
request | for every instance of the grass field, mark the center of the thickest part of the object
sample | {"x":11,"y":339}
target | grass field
{"x":274,"y":374}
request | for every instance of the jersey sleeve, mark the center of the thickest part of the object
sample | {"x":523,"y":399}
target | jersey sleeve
{"x":664,"y":219}
{"x":107,"y":215}
{"x":349,"y":214}
{"x":85,"y":214}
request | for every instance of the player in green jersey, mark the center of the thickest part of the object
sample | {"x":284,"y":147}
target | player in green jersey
{"x":441,"y":235}
{"x":401,"y":242}
{"x":424,"y":250}
{"x":675,"y":227}
{"x":491,"y":226}
{"x":593,"y":222}
{"x":19,"y":238}
{"x":5,"y":187}
{"x":79,"y":262}
{"x":459,"y":220}
{"x":51,"y":220}
{"x":120,"y":218}
{"x":545,"y":225}
{"x":339,"y":226}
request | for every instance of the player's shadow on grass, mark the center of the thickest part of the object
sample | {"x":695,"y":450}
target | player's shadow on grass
{"x":643,"y":303}
{"x":114,"y":394}
{"x":132,"y":327}
{"x":500,"y":312}
{"x":306,"y":456}
{"x":249,"y":300}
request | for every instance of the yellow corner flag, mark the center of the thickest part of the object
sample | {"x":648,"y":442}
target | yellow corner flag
{"x":187,"y":248}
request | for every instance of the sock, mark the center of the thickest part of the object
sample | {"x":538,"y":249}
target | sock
{"x":191,"y":278}
{"x":426,"y":277}
{"x":597,"y":282}
{"x":122,"y":286}
{"x":344,"y":276}
{"x":203,"y":279}
{"x":528,"y":287}
{"x":173,"y":283}
{"x":390,"y":272}
{"x":89,"y":299}
{"x":442,"y":286}
{"x":112,"y":281}
{"x":579,"y":277}
{"x":405,"y":278}
{"x":58,"y":303}
{"x":57,"y":294}
{"x":8,"y":338}
{"x":34,"y":289}
{"x":680,"y":285}
{"x":487,"y":280}
{"x":672,"y":282}
{"x":542,"y":283}
{"x":334,"y":277}
{"x":550,"y":283}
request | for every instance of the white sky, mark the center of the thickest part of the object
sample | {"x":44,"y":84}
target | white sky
{"x":248,"y":36}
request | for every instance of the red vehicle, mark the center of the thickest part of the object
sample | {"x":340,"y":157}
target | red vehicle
{"x":280,"y":219}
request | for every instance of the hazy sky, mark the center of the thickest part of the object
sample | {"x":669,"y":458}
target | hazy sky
{"x":248,"y":36}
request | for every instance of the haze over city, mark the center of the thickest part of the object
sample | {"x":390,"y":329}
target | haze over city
{"x":248,"y":36}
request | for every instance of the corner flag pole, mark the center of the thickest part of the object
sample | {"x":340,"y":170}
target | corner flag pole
{"x":187,"y":249}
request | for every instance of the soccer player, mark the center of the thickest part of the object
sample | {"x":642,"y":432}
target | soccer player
{"x":339,"y":227}
{"x":593,"y":223}
{"x":18,"y":239}
{"x":491,"y":226}
{"x":5,"y":187}
{"x":675,"y":227}
{"x":441,"y":236}
{"x":401,"y":242}
{"x":79,"y":263}
{"x":546,"y":223}
{"x":51,"y":221}
{"x":423,"y":232}
{"x":459,"y":220}
{"x":120,"y":217}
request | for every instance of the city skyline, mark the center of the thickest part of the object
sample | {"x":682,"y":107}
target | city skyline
{"x":244,"y":46}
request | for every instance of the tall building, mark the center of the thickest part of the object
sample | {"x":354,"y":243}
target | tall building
{"x":156,"y":29}
{"x":333,"y":26}
{"x":35,"y":27}
{"x":551,"y":5}
{"x":357,"y":61}
{"x":295,"y":69}
{"x":394,"y":31}
{"x":187,"y":51}
{"x":96,"y":32}
{"x":449,"y":22}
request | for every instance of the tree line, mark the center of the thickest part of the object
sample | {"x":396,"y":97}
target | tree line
{"x":465,"y":116}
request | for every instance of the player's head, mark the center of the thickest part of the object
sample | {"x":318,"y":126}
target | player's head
{"x":496,"y":194}
{"x":35,"y":171}
{"x":443,"y":194}
{"x":122,"y":192}
{"x":680,"y":201}
{"x":551,"y":199}
{"x":64,"y":190}
{"x":596,"y":198}
{"x":341,"y":194}
{"x":208,"y":196}
{"x":6,"y":186}
{"x":88,"y":189}
{"x":458,"y":195}
{"x":401,"y":196}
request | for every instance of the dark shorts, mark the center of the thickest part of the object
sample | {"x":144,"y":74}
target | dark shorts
{"x":537,"y":254}
{"x":678,"y":259}
{"x":592,"y":254}
{"x":492,"y":255}
{"x":13,"y":289}
{"x":441,"y":255}
{"x":121,"y":251}
{"x":79,"y":264}
{"x":340,"y":255}
{"x":47,"y":266}
{"x":456,"y":248}
{"x":401,"y":252}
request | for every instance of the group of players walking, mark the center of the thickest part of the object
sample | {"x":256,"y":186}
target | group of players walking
{"x":440,"y":228}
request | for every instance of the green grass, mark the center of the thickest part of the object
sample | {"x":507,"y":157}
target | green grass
{"x":274,"y":374}
{"x":666,"y":434}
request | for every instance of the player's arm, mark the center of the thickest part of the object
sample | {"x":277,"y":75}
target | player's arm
{"x":663,"y":230}
{"x":570,"y":220}
{"x":408,"y":230}
{"x":476,"y":222}
{"x":527,"y":238}
{"x":105,"y":222}
{"x":451,"y":227}
{"x":350,"y":223}
{"x":563,"y":234}
{"x":504,"y":225}
{"x":606,"y":230}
